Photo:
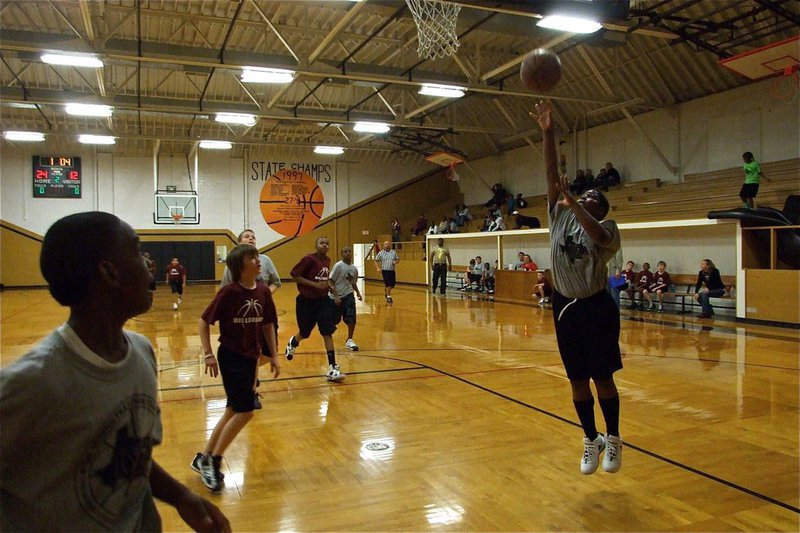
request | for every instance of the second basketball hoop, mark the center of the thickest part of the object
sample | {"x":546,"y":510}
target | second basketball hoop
{"x":436,"y":27}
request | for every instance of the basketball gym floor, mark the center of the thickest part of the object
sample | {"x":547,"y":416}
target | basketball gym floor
{"x":456,"y":415}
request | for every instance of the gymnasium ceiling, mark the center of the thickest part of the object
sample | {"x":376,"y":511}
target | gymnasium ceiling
{"x":169,"y":65}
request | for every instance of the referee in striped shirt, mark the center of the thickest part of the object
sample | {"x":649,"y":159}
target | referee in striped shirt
{"x":385,"y":262}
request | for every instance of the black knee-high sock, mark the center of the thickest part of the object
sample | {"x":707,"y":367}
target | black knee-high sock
{"x":332,"y":357}
{"x":585,"y":410}
{"x":610,"y":408}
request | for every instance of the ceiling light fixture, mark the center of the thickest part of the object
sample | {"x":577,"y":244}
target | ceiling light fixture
{"x":89,"y":110}
{"x":237,"y":118}
{"x":72,"y":60}
{"x":267,"y":75}
{"x":26,"y":136}
{"x":371,"y":127}
{"x":569,"y":24}
{"x":329,"y":150}
{"x":216,"y":145}
{"x":97,"y":139}
{"x":448,"y":91}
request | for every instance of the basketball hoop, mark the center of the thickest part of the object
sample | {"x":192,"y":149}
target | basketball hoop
{"x":436,"y":27}
{"x":452,"y":175}
{"x":786,"y":87}
{"x":177,"y":217}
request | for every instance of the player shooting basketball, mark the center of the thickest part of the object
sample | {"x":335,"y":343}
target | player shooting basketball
{"x":586,"y":317}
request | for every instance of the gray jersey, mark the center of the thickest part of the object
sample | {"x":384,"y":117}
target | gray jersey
{"x":269,"y":274}
{"x":578,"y":263}
{"x":343,"y":276}
{"x":77,"y":438}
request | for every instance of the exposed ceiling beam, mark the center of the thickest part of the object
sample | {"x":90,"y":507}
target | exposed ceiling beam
{"x":274,"y":30}
{"x":344,"y":21}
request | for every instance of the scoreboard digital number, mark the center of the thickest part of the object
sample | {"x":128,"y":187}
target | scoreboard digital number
{"x":56,"y":177}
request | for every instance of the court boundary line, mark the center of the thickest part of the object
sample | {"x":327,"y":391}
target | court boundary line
{"x":696,"y":471}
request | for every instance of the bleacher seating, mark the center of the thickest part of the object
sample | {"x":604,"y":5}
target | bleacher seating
{"x":650,"y":200}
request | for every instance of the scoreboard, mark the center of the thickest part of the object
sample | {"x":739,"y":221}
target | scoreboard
{"x":56,"y":176}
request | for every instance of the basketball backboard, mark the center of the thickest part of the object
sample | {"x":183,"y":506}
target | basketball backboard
{"x":766,"y":61}
{"x":179,"y":207}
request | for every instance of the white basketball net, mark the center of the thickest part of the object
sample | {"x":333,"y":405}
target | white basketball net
{"x":436,"y":27}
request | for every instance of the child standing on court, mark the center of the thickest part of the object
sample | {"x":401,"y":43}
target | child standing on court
{"x":79,"y":413}
{"x":344,"y":282}
{"x":752,"y":176}
{"x":246,"y":315}
{"x":586,"y":317}
{"x":176,"y":279}
{"x":313,"y":307}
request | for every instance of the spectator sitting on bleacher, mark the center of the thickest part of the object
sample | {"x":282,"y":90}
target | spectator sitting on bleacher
{"x":463,"y":216}
{"x":433,"y":230}
{"x":612,"y":176}
{"x":498,"y":196}
{"x":488,"y":278}
{"x":578,"y":185}
{"x":421,"y":226}
{"x":660,"y":284}
{"x":643,"y":280}
{"x":708,"y":276}
{"x":510,"y":203}
{"x":520,"y":202}
{"x":588,"y":179}
{"x":529,"y":264}
{"x":443,"y":227}
{"x":601,"y":181}
{"x":477,"y":272}
{"x":452,"y":227}
{"x":468,"y":273}
{"x":521,"y":220}
{"x":542,"y":290}
{"x":498,"y":224}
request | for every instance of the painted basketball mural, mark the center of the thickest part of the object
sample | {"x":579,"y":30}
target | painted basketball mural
{"x":291,"y":202}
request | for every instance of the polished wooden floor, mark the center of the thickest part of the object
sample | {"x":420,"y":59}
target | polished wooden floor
{"x":456,"y":415}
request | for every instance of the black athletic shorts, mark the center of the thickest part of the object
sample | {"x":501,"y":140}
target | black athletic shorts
{"x":587,"y":330}
{"x":320,"y":312}
{"x":177,"y":286}
{"x":347,"y":309}
{"x":238,"y":376}
{"x":389,"y":278}
{"x":749,"y":190}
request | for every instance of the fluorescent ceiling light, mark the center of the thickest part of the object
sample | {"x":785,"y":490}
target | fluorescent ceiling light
{"x":569,"y":24}
{"x":72,"y":60}
{"x":216,"y":145}
{"x":29,"y":136}
{"x":21,"y":105}
{"x":267,"y":75}
{"x":329,"y":150}
{"x":97,"y":139}
{"x":237,"y":118}
{"x":448,"y":91}
{"x":89,"y":110}
{"x":371,"y":127}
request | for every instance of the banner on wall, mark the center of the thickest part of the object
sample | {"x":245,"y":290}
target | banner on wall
{"x":291,"y":199}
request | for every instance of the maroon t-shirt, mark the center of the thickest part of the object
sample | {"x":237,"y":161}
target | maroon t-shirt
{"x":628,"y":275}
{"x":644,"y":278}
{"x":242,"y":314}
{"x":660,"y":281}
{"x":176,"y":273}
{"x":312,"y":268}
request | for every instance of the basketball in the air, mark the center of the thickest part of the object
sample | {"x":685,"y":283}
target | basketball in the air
{"x":540,"y":71}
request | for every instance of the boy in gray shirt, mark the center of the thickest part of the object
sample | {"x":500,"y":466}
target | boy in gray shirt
{"x":586,"y":317}
{"x":76,"y":461}
{"x":344,"y":281}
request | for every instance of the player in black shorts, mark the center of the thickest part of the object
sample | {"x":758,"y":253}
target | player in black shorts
{"x":586,"y":317}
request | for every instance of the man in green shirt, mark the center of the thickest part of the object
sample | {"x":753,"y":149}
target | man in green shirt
{"x":752,"y":173}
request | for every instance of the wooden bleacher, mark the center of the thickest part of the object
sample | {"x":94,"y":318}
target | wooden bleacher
{"x":650,"y":200}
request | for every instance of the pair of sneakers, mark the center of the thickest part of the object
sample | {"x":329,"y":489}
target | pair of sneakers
{"x":208,"y":466}
{"x":612,"y":460}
